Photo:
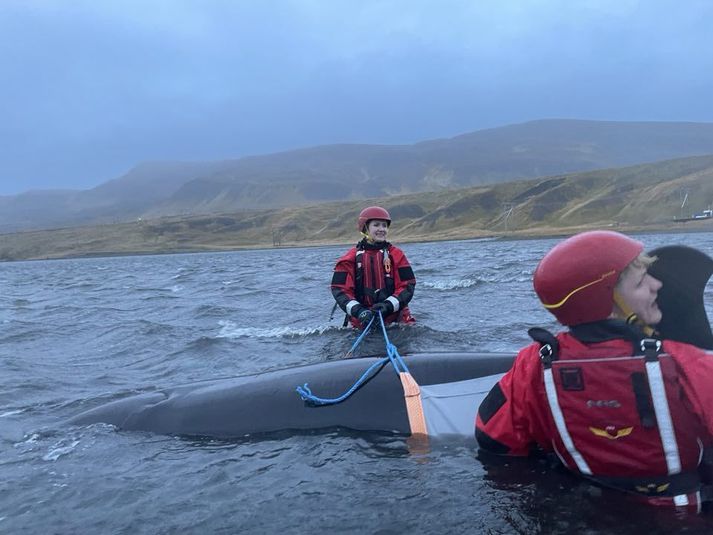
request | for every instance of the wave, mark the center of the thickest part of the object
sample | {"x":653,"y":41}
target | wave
{"x":499,"y":277}
{"x":230,"y":330}
{"x":450,"y":284}
{"x":184,"y":274}
{"x":59,"y":449}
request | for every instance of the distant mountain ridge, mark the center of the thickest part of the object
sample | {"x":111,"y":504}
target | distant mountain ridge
{"x":635,"y":198}
{"x":351,"y":172}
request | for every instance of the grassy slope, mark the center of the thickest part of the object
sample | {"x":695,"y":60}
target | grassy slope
{"x":633,"y":198}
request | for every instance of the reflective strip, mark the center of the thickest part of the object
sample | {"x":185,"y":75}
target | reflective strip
{"x":561,"y":426}
{"x":414,"y":407}
{"x":351,"y":304}
{"x":394,"y":301}
{"x":663,"y":417}
{"x":680,"y":500}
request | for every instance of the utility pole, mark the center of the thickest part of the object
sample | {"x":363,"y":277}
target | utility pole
{"x":508,"y":208}
{"x":683,"y":195}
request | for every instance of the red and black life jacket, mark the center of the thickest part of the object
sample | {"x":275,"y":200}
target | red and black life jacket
{"x":623,"y":420}
{"x":370,"y":273}
{"x":373,"y":276}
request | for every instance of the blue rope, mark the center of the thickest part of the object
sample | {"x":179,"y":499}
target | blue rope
{"x":307,"y":395}
{"x":392,"y":355}
{"x":361,"y":337}
{"x":392,"y":352}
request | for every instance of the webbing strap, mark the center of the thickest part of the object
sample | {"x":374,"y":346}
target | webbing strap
{"x":663,"y":413}
{"x":412,"y":392}
{"x":651,"y":348}
{"x":663,"y":417}
{"x":558,"y":417}
{"x":414,"y":404}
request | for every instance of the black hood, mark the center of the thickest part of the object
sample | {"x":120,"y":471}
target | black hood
{"x":684,"y":272}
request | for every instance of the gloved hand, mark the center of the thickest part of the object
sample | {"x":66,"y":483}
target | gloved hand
{"x":364,"y":315}
{"x":385,"y":307}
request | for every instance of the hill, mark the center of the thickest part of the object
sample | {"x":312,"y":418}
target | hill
{"x":356,"y":172}
{"x":631,"y":198}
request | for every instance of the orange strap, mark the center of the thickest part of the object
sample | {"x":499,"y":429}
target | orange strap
{"x":414,"y":407}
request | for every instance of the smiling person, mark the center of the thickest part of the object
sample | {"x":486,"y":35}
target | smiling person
{"x":615,"y":402}
{"x":374,"y":275}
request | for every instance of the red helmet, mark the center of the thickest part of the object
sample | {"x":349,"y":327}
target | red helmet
{"x":372,"y":212}
{"x":575,"y":280}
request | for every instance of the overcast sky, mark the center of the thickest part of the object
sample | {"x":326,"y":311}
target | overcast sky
{"x":88,"y":89}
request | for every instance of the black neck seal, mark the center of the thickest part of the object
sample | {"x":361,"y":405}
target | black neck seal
{"x":375,"y":246}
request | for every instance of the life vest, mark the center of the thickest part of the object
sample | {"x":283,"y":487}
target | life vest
{"x":370,"y":273}
{"x":373,"y":278}
{"x":622,"y":420}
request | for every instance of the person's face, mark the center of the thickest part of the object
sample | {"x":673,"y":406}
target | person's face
{"x":377,"y":230}
{"x":639,"y":290}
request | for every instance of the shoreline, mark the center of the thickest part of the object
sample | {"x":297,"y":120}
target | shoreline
{"x":515,"y":235}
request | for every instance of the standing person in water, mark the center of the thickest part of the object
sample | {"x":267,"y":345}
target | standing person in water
{"x":374,"y":275}
{"x":616,"y":402}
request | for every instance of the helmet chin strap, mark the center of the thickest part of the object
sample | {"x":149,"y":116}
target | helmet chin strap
{"x":630,"y":315}
{"x":368,"y":238}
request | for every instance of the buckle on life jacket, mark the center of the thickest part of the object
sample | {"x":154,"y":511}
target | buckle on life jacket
{"x":650,"y":347}
{"x":549,"y":345}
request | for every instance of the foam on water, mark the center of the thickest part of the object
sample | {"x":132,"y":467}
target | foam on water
{"x":59,"y":450}
{"x":230,"y":329}
{"x":449,"y":284}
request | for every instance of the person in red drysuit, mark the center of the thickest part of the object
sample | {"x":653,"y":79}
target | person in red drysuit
{"x":374,"y":275}
{"x":614,"y":400}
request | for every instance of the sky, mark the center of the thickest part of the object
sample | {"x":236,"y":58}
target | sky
{"x":91,"y":88}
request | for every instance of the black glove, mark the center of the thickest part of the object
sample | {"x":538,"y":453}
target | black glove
{"x":385,"y":307}
{"x":364,"y":315}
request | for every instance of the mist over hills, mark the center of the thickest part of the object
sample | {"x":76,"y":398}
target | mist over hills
{"x":354,"y":172}
{"x":634,"y":198}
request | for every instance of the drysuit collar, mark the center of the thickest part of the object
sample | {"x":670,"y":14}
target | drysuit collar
{"x":366,"y":244}
{"x":609,"y":329}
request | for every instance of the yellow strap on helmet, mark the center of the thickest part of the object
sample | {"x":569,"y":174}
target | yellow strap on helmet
{"x":570,"y":294}
{"x":631,"y":316}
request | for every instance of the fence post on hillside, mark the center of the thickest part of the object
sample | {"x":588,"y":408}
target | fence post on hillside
{"x":276,"y":238}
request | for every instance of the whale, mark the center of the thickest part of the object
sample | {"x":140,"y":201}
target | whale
{"x":452,"y":384}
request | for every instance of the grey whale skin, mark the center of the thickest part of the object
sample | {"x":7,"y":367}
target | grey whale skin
{"x":452,"y":383}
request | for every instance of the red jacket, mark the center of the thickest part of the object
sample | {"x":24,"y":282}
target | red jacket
{"x":369,"y":273}
{"x":612,"y":430}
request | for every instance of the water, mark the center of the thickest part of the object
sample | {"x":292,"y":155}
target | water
{"x":76,"y":333}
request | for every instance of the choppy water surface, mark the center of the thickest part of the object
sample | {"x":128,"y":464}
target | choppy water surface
{"x":77,"y":333}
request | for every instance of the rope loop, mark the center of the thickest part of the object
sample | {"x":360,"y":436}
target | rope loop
{"x":316,"y":401}
{"x":392,"y":356}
